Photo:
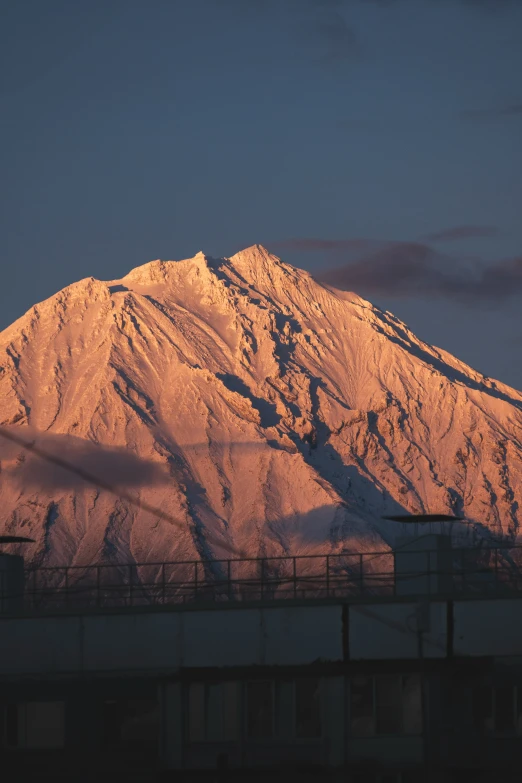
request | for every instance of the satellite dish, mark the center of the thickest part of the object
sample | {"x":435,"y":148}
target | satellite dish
{"x":16,"y":540}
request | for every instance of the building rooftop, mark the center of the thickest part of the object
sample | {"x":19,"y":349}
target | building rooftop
{"x":419,"y":568}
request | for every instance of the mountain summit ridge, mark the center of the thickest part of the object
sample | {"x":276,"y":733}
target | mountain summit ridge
{"x":267,"y":412}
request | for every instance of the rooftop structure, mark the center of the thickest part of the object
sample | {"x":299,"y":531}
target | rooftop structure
{"x":424,"y":566}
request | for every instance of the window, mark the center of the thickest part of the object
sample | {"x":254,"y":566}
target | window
{"x":260,"y":709}
{"x":385,"y":704}
{"x":130,"y":723}
{"x":307,"y":709}
{"x":388,"y":705}
{"x":498,"y":709}
{"x":213,"y":711}
{"x":362,"y":707}
{"x":34,"y":725}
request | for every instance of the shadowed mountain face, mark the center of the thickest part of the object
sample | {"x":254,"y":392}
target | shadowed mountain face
{"x":262,"y":411}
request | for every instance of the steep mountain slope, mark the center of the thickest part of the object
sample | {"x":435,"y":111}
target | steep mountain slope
{"x":265,"y":412}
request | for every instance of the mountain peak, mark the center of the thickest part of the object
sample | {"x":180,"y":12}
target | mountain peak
{"x":258,"y":407}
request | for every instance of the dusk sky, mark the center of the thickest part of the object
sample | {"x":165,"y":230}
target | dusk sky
{"x":136,"y":130}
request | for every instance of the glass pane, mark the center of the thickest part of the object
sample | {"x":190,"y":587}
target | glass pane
{"x":388,"y":720}
{"x":412,"y":704}
{"x":130,"y":723}
{"x":483,"y":707}
{"x":307,"y":708}
{"x":505,"y":708}
{"x":10,"y":736}
{"x":141,"y":723}
{"x":230,"y":711}
{"x":214,"y":713}
{"x":518,"y":709}
{"x":388,"y":704}
{"x":196,"y":710}
{"x":260,"y":709}
{"x":361,"y":707}
{"x":44,"y":724}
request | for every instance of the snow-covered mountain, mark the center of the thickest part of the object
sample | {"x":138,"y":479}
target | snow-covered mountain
{"x":263,"y":411}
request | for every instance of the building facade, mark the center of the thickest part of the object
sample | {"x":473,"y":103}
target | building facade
{"x":386,"y":688}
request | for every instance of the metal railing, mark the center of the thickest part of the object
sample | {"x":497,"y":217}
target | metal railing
{"x":484,"y":571}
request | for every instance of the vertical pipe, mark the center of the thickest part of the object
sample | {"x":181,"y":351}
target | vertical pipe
{"x":163,"y":583}
{"x":327,"y":576}
{"x":424,"y":711}
{"x":229,"y":581}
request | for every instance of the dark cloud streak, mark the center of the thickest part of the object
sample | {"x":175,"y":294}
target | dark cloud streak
{"x":461,"y":232}
{"x":119,"y":468}
{"x":512,"y":110}
{"x":409,"y":269}
{"x":314,"y":244}
{"x":67,"y":462}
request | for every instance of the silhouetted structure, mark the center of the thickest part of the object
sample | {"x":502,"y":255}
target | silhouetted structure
{"x":390,"y":667}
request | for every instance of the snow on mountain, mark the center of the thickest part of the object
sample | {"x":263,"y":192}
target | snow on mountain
{"x":263,"y":411}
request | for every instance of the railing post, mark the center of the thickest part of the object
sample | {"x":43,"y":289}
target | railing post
{"x":130,"y":584}
{"x":327,"y":576}
{"x":66,"y":587}
{"x":496,"y":571}
{"x":229,"y":581}
{"x":295,"y":576}
{"x":98,"y":596}
{"x":361,"y":572}
{"x":262,"y":576}
{"x":195,"y":579}
{"x":163,"y":584}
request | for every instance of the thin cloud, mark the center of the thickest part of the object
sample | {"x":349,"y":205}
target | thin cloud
{"x":315,"y":244}
{"x":492,"y":5}
{"x":512,"y":110}
{"x":115,"y":466}
{"x":410,"y":269}
{"x":318,"y":25}
{"x":461,"y":232}
{"x":335,"y":34}
{"x":326,"y":27}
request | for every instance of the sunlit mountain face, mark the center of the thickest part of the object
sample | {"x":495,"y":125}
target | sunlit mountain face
{"x":263,"y":412}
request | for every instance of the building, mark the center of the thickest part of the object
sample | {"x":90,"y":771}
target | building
{"x":379,"y":668}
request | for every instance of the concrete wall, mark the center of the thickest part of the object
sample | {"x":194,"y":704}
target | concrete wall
{"x":386,"y":750}
{"x":49,"y":645}
{"x":274,"y":635}
{"x":166,"y":641}
{"x":389,"y":631}
{"x":488,"y":627}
